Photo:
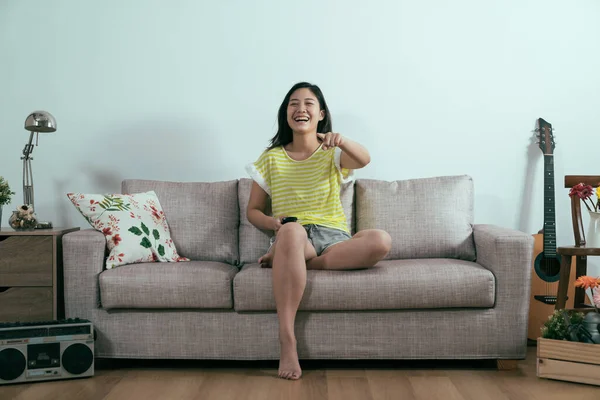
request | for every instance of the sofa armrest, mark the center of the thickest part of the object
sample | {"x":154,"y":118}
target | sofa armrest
{"x":507,"y":253}
{"x":84,"y":254}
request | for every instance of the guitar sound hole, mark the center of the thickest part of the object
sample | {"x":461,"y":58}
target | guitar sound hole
{"x":548,"y":269}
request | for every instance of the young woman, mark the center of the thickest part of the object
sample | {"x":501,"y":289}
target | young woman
{"x":302,"y":172}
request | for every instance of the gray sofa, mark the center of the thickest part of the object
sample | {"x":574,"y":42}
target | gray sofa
{"x":448,"y":289}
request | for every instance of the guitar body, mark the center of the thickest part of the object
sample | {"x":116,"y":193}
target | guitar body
{"x":545,"y":268}
{"x":545,"y":272}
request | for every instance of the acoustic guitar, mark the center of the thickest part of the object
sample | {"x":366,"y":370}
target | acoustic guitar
{"x":546,"y":263}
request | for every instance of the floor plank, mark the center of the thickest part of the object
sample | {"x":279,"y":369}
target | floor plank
{"x":96,"y":388}
{"x":351,"y":388}
{"x":434,"y":388}
{"x":388,"y":387}
{"x":477,"y":385}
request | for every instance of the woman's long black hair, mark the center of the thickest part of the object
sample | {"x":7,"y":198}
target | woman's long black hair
{"x":284,"y":133}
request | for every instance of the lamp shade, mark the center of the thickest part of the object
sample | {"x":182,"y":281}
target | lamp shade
{"x":40,"y":121}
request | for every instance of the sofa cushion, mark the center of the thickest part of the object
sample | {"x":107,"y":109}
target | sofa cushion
{"x":195,"y":284}
{"x":254,"y":242}
{"x":426,"y":217}
{"x":394,"y":284}
{"x":203,"y":216}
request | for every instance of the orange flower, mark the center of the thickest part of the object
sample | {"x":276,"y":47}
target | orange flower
{"x":587,"y":282}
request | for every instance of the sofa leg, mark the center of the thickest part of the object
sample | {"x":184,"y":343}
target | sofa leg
{"x":506,"y":365}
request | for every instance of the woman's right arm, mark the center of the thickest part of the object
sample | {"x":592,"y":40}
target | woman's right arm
{"x":256,"y":210}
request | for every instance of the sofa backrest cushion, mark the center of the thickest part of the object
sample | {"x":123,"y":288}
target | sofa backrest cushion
{"x":426,"y":217}
{"x":254,"y":242}
{"x":203,"y":216}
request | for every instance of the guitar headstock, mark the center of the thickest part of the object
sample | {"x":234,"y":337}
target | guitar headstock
{"x":545,"y":137}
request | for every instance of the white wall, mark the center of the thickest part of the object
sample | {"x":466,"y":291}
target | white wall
{"x":189,"y":90}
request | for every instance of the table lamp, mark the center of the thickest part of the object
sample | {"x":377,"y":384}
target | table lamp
{"x":36,"y":122}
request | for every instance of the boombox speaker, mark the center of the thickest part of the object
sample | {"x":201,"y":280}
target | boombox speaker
{"x":48,"y":350}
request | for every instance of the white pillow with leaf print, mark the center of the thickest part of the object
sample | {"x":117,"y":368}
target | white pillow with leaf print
{"x":134,"y":226}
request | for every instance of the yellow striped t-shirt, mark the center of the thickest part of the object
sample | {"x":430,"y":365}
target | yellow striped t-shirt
{"x":307,"y":189}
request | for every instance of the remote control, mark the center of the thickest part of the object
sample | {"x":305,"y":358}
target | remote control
{"x":288,"y":219}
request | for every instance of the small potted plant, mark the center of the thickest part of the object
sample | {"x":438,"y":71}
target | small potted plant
{"x":564,"y":325}
{"x":5,"y":195}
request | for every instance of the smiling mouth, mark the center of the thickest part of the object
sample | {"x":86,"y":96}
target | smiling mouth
{"x":301,"y":119}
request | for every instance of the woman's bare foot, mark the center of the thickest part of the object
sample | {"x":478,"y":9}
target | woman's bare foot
{"x":289,"y":366}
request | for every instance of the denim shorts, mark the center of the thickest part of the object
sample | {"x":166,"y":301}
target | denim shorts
{"x":321,"y":237}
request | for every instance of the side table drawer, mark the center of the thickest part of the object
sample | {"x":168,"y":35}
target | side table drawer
{"x":26,"y":261}
{"x":25,"y":304}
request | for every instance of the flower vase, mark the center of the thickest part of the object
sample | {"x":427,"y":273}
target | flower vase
{"x":592,"y":236}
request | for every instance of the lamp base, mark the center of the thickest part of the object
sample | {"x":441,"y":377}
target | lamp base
{"x":44,"y":225}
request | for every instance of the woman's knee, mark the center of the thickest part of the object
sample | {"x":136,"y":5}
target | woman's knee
{"x":381,"y":242}
{"x":291,"y":234}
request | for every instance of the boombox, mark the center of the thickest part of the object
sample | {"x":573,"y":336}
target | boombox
{"x":48,"y":350}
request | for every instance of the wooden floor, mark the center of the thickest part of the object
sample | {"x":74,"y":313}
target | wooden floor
{"x":405,"y":380}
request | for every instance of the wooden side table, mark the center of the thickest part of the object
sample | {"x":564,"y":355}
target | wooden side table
{"x":31,"y":275}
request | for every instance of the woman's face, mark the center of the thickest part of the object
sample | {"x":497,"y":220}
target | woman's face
{"x":303,"y":111}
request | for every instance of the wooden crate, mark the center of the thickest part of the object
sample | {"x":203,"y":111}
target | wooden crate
{"x":568,"y":361}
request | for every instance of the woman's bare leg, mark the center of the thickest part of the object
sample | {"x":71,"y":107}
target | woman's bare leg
{"x":364,"y":250}
{"x":290,"y":252}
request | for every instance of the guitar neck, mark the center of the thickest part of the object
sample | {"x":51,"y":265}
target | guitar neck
{"x":549,"y":213}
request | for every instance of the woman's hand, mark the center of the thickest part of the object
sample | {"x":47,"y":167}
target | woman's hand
{"x":276,"y":224}
{"x":330,"y":140}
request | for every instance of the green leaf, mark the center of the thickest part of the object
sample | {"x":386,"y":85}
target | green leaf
{"x":156,"y":234}
{"x":120,"y":205}
{"x":146,"y":243}
{"x":110,"y":203}
{"x":108,"y":200}
{"x":135,"y":230}
{"x":161,"y":250}
{"x":145,"y":229}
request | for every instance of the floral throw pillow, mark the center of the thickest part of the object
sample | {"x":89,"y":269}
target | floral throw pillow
{"x":134,"y":226}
